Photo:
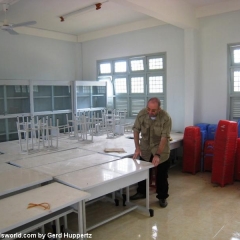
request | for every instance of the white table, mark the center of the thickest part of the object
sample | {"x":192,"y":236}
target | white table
{"x":12,"y":153}
{"x":14,"y":212}
{"x":110,"y":177}
{"x":36,"y":161}
{"x":177,"y":140}
{"x":5,"y":167}
{"x":71,"y":165}
{"x":126,"y":142}
{"x":101,"y":142}
{"x":17,"y":179}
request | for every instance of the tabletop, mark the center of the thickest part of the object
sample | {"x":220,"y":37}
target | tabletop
{"x":71,"y":165}
{"x":101,"y":142}
{"x":126,"y":142}
{"x":5,"y":167}
{"x":36,"y":161}
{"x":19,"y":178}
{"x":96,"y":176}
{"x":14,"y":208}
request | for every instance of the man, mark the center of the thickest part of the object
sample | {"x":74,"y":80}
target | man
{"x":155,"y":125}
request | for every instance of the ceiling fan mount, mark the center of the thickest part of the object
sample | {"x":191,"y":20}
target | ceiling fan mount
{"x":5,"y":7}
{"x":9,"y":27}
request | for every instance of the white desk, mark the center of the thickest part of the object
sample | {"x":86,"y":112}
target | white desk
{"x":18,"y":179}
{"x":14,"y":212}
{"x":36,"y":161}
{"x":5,"y":167}
{"x":71,"y":165}
{"x":177,"y":140}
{"x":12,"y":153}
{"x":101,"y":142}
{"x":110,"y":177}
{"x":126,"y":142}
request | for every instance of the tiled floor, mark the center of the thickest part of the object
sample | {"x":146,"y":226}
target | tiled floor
{"x":197,"y":209}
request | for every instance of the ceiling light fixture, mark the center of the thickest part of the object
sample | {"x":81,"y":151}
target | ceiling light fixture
{"x":6,"y":4}
{"x":96,"y":6}
{"x":10,"y":2}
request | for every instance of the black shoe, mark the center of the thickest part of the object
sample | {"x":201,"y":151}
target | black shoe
{"x":137,"y":196}
{"x":163,"y":203}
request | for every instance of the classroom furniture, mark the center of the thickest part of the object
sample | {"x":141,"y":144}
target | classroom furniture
{"x":127,"y":143}
{"x":237,"y":161}
{"x":208,"y":155}
{"x":18,"y":179}
{"x":225,"y":146}
{"x":41,"y":134}
{"x":19,"y":219}
{"x":92,"y":163}
{"x":89,"y":94}
{"x":192,"y":149}
{"x":32,"y":98}
{"x":110,"y":177}
{"x":6,"y":167}
{"x":74,"y":164}
{"x":52,"y":157}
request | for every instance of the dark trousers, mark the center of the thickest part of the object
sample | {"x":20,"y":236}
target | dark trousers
{"x":161,"y":180}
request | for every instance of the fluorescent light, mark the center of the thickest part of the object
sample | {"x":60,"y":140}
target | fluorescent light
{"x":9,"y":2}
{"x":96,"y":6}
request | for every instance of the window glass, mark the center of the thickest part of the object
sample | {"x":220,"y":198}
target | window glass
{"x":101,"y":89}
{"x":120,"y":85}
{"x":137,"y":65}
{"x":156,"y":84}
{"x":137,"y":85}
{"x":155,"y":63}
{"x":105,"y":68}
{"x":236,"y":56}
{"x":236,"y":86}
{"x":120,"y":67}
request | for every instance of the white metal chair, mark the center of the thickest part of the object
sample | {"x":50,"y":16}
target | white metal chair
{"x":27,"y":135}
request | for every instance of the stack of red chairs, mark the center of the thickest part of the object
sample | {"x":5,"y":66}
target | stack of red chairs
{"x":192,"y":149}
{"x":208,"y":155}
{"x":224,"y":152}
{"x":208,"y":147}
{"x":237,"y":162}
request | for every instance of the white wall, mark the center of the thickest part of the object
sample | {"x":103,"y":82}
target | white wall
{"x":29,"y":57}
{"x":164,"y":38}
{"x":215,"y":33}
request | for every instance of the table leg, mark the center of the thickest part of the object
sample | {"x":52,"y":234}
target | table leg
{"x":57,"y":222}
{"x":81,"y":217}
{"x":147,"y":191}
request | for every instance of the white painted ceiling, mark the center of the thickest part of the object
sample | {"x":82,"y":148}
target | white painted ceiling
{"x":113,"y":13}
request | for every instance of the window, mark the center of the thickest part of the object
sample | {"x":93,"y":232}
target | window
{"x":105,"y":68}
{"x":137,"y":85}
{"x":234,"y":83}
{"x":120,"y":67}
{"x":137,"y":65}
{"x":155,"y":84}
{"x":135,"y":80}
{"x":121,"y":85}
{"x":155,"y":63}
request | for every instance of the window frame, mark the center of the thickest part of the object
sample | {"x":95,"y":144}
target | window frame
{"x":233,"y":97}
{"x":120,"y":60}
{"x":105,"y":74}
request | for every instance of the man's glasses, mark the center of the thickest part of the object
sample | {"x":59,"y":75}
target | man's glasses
{"x":152,"y":110}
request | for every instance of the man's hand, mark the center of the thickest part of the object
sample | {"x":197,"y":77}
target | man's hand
{"x":156,"y":160}
{"x":137,"y":153}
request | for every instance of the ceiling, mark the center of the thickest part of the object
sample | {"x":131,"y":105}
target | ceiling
{"x":115,"y":16}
